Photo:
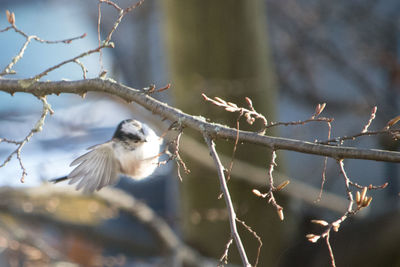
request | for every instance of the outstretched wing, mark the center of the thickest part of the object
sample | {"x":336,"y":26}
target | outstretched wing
{"x":97,"y":168}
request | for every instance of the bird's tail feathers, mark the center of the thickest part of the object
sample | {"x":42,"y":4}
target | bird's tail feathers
{"x":57,"y":180}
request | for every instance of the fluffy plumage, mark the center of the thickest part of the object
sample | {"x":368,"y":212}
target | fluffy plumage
{"x":133,"y":151}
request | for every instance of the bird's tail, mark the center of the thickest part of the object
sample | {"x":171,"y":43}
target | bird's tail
{"x":57,"y":180}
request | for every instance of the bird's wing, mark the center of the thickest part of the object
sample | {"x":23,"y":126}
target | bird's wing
{"x":96,"y":169}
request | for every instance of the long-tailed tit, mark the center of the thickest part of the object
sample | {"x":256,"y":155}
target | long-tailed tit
{"x":133,"y":151}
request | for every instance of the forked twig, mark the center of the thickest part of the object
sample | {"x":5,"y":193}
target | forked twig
{"x":20,"y":144}
{"x":28,"y":38}
{"x":175,"y":154}
{"x":256,"y":236}
{"x":270,"y":194}
{"x":362,"y":201}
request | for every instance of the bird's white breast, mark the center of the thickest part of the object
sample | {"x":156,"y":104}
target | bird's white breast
{"x":141,"y":161}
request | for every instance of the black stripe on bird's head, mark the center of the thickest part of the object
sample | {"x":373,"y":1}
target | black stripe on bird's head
{"x":130,"y":130}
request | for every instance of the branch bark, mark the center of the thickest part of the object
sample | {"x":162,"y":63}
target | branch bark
{"x":214,"y":130}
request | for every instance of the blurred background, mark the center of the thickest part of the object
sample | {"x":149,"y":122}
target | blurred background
{"x":287,"y":56}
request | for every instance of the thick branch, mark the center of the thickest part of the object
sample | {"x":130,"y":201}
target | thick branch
{"x":196,"y":122}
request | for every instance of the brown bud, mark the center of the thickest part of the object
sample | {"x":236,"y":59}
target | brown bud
{"x":10,"y":17}
{"x":320,"y":222}
{"x":335,"y":226}
{"x":282,"y":185}
{"x":366,"y":202}
{"x":230,"y":109}
{"x":313,"y":238}
{"x":358,"y":198}
{"x":363,"y":194}
{"x":249,"y":102}
{"x":392,"y":122}
{"x":319,"y":109}
{"x":280,"y":213}
{"x":257,"y":193}
{"x":232,"y":104}
{"x":220,"y":100}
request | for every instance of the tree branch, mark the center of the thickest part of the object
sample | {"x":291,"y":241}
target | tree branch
{"x":198,"y":123}
{"x":229,"y":205}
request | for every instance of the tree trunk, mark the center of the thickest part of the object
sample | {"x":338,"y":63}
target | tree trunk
{"x":220,"y":48}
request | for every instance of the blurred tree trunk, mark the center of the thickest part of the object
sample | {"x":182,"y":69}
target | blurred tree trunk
{"x":220,"y":48}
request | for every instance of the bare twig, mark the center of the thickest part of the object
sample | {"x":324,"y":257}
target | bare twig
{"x":224,"y":257}
{"x":253,"y":174}
{"x":340,"y":140}
{"x":328,"y":244}
{"x":84,"y":54}
{"x":314,"y":118}
{"x":250,"y":114}
{"x":228,"y":201}
{"x":20,"y":144}
{"x":28,"y":39}
{"x":371,"y":118}
{"x":256,"y":236}
{"x":229,"y":171}
{"x":176,"y":156}
{"x":362,"y":201}
{"x":272,"y":188}
{"x":122,"y":13}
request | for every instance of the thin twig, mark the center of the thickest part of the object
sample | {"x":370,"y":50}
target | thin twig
{"x":339,"y":140}
{"x":122,"y":13}
{"x":328,"y":244}
{"x":84,"y":54}
{"x":371,"y":118}
{"x":20,"y":144}
{"x":228,"y":200}
{"x":256,"y":236}
{"x":323,"y":177}
{"x":28,"y":39}
{"x":250,"y":114}
{"x":270,"y":194}
{"x":229,"y":171}
{"x":362,"y":201}
{"x":175,"y":154}
{"x":224,"y":257}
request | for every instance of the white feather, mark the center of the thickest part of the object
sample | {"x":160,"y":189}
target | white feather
{"x":97,"y":168}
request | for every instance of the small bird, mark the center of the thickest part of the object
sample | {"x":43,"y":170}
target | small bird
{"x":133,"y":151}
